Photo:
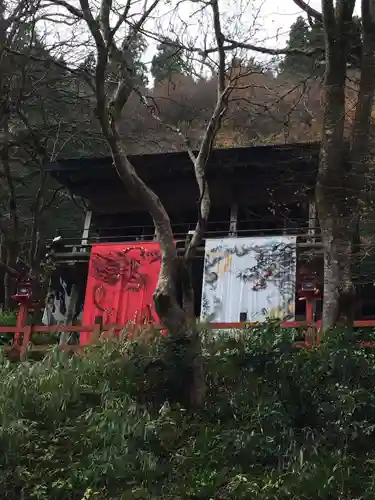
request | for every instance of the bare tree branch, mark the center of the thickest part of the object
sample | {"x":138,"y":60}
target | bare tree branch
{"x":232,"y":45}
{"x":310,"y":11}
{"x":153,"y":109}
{"x":121,"y":19}
{"x":70,"y":8}
{"x":208,"y":139}
{"x":220,"y":46}
{"x":12,"y":272}
{"x":105,"y":11}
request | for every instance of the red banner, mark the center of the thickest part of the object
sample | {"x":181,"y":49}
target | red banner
{"x":120,"y":285}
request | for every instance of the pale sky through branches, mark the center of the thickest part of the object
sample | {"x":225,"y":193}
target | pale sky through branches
{"x":259,"y":22}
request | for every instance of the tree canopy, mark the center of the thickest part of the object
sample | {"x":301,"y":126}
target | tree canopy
{"x":168,"y":61}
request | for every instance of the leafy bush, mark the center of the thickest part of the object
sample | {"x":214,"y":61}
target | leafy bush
{"x":279,"y":423}
{"x":8,"y":318}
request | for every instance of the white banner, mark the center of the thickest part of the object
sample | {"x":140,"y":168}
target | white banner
{"x":249,"y":279}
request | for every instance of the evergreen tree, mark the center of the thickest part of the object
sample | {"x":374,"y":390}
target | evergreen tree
{"x":356,"y":43}
{"x":167,"y":61}
{"x":304,"y":37}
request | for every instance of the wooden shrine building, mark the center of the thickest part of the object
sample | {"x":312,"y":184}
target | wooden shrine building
{"x":260,"y":191}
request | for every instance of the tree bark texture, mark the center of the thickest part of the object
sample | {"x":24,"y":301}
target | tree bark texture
{"x":181,"y":326}
{"x":342,"y":171}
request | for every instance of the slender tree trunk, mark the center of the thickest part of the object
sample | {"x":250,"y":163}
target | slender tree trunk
{"x":9,"y":281}
{"x":361,"y":134}
{"x":7,"y":292}
{"x":12,"y":237}
{"x":183,"y":348}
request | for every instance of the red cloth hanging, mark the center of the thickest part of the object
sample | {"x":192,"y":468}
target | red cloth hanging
{"x":120,"y":285}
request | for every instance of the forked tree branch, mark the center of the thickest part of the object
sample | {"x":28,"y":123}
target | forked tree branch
{"x":200,"y":164}
{"x":154,"y":111}
{"x":200,"y":159}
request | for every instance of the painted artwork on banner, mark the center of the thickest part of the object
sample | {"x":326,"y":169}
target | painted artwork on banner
{"x":249,"y":279}
{"x":120,"y":285}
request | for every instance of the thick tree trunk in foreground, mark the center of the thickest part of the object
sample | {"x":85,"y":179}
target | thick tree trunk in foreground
{"x":339,"y":290}
{"x":340,"y":190}
{"x":335,"y":215}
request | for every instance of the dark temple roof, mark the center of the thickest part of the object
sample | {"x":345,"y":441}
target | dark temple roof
{"x":89,"y":176}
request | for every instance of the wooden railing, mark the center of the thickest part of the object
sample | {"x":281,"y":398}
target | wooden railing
{"x":21,"y":342}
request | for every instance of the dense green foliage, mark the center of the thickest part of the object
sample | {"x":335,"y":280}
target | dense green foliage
{"x":279,"y":424}
{"x":167,"y":61}
{"x":307,"y":38}
{"x":8,"y":318}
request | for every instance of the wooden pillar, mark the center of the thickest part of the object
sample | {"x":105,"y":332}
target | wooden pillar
{"x":233,"y":219}
{"x":312,"y":221}
{"x":86,"y":228}
{"x":69,"y":315}
{"x":285,"y":226}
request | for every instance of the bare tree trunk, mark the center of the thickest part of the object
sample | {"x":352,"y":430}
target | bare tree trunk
{"x":184,"y":346}
{"x":331,"y":189}
{"x":341,"y":185}
{"x":339,"y":292}
{"x":360,"y":147}
{"x":12,"y":235}
{"x":7,"y":291}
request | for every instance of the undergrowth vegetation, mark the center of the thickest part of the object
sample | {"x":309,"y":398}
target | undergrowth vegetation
{"x":8,"y":318}
{"x":279,"y":423}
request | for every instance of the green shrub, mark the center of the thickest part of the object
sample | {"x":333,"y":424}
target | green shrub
{"x":7,"y":318}
{"x":279,"y":423}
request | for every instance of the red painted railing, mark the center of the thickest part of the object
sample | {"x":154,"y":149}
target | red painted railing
{"x":22,"y":336}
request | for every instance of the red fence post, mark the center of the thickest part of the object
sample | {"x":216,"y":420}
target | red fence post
{"x":21,"y":317}
{"x":310,"y":322}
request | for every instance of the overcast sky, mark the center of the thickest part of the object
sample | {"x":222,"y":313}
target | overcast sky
{"x":263,"y":22}
{"x":278,"y":15}
{"x":260,"y":22}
